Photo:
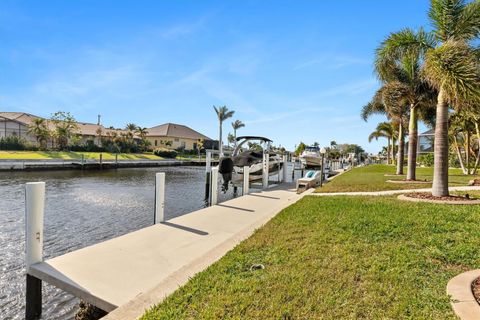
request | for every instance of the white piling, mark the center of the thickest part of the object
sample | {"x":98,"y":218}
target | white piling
{"x":34,"y":211}
{"x":246,"y":180}
{"x":209,"y":162}
{"x":159,"y":197}
{"x":285,"y":167}
{"x":266,"y":160}
{"x":214,"y":186}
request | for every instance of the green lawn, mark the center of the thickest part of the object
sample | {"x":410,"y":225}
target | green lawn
{"x":39,"y":155}
{"x":338,"y":258}
{"x":372,"y":178}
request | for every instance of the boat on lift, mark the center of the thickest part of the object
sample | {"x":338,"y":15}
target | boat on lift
{"x":231,"y":168}
{"x":311,"y":157}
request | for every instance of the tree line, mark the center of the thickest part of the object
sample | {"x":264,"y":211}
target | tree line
{"x":434,"y":77}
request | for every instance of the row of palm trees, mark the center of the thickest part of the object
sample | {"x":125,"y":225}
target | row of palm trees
{"x":223,"y":114}
{"x":423,"y":75}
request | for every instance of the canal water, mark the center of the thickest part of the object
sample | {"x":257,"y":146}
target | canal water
{"x":83,"y":208}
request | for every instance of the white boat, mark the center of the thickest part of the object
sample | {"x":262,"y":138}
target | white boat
{"x":311,"y":157}
{"x":231,"y":168}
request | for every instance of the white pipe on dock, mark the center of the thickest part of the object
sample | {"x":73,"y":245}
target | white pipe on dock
{"x":159,"y":197}
{"x":266,"y":160}
{"x":214,"y":186}
{"x":285,"y":167}
{"x":246,"y":180}
{"x":34,"y":212}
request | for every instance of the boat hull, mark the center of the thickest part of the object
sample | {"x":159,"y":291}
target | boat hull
{"x":311,"y":161}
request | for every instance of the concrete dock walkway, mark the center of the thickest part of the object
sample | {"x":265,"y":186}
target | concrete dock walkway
{"x":128,"y":274}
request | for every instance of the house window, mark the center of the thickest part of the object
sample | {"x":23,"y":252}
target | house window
{"x":194,"y":146}
{"x":156,"y":143}
{"x":176,"y":139}
{"x":182,"y":144}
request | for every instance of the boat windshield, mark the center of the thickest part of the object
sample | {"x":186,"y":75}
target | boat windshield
{"x":312,"y":149}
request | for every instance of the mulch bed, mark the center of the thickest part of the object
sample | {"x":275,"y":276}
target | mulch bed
{"x":476,"y":289}
{"x":429,"y":196}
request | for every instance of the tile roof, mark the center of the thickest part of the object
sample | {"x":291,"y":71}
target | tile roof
{"x":175,"y":131}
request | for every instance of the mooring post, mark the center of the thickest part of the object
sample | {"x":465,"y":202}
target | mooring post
{"x":34,"y":212}
{"x":214,"y":184}
{"x":116,"y":159}
{"x":266,"y":158}
{"x":285,"y":167}
{"x":246,"y":180}
{"x":159,"y":197}
{"x":83,"y":159}
{"x":101,"y":160}
{"x":208,"y":170}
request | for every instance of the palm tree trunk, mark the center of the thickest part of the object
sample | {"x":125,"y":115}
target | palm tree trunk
{"x":234,"y":138}
{"x":401,"y":149}
{"x":467,"y":151}
{"x":440,"y":167}
{"x":220,"y":144}
{"x":459,"y":154}
{"x":477,"y":130}
{"x":388,"y":151}
{"x":412,"y":143}
{"x":392,"y":158}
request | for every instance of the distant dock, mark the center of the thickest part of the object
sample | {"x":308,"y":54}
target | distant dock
{"x":39,"y":165}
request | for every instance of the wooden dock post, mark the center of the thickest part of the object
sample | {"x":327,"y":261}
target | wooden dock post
{"x":214,"y":184}
{"x":266,"y":159}
{"x":159,"y":197}
{"x":246,"y":180}
{"x":285,"y":167}
{"x":208,"y":170}
{"x":34,"y":212}
{"x":101,"y":160}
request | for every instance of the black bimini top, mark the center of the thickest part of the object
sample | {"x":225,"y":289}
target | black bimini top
{"x":253,"y":138}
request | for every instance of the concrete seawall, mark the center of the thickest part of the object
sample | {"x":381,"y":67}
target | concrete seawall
{"x":36,"y":165}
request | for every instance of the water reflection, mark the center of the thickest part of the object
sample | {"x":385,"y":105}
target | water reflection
{"x":83,"y":208}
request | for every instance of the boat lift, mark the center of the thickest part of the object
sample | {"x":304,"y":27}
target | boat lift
{"x":211,"y":176}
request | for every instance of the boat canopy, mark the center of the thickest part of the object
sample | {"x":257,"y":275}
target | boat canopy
{"x":312,"y":148}
{"x":253,"y":138}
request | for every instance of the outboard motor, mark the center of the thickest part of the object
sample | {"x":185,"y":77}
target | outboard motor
{"x":225,"y":168}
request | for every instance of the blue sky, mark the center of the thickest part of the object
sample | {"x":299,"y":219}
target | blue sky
{"x":292,"y":70}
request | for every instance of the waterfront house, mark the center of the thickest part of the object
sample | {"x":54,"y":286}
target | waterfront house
{"x":177,"y":136}
{"x":17,"y":124}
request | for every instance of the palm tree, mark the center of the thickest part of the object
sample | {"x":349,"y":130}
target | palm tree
{"x":65,"y":128}
{"x":389,"y":100}
{"x":231,"y":139}
{"x":383,"y":130}
{"x":398,"y":60}
{"x":131,"y":127}
{"x":452,"y":67}
{"x":223,"y":114}
{"x":39,"y":129}
{"x":237,"y":124}
{"x":142,"y":132}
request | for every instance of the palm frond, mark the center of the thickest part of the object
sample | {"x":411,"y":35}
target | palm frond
{"x":455,"y":19}
{"x":454,"y":67}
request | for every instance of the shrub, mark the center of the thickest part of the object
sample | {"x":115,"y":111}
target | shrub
{"x":13,"y":143}
{"x":89,"y":146}
{"x":165,"y":153}
{"x":426,"y":159}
